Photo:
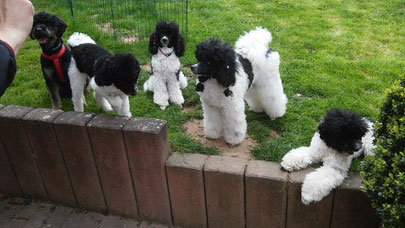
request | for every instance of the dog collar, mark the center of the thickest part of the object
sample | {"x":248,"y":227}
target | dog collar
{"x":55,"y":59}
{"x":167,"y":55}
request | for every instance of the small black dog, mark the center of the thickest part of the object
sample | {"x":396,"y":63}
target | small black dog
{"x":48,"y":29}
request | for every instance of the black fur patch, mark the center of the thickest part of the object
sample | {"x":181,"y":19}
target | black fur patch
{"x":342,"y":130}
{"x":247,"y":67}
{"x":171,"y":31}
{"x":178,"y":75}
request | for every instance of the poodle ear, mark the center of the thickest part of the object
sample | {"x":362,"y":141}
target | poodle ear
{"x":61,"y":27}
{"x":179,"y":45}
{"x":226,"y":73}
{"x":153,"y":43}
{"x":104,"y":68}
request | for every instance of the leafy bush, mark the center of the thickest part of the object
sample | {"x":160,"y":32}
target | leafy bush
{"x":384,"y":173}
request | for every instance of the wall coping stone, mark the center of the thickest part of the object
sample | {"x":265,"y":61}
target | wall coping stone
{"x":264,"y":169}
{"x":149,"y":125}
{"x":186,"y":160}
{"x":74,"y":118}
{"x":223,"y":164}
{"x":14,"y":112}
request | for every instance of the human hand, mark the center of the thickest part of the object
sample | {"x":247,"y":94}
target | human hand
{"x":16,"y":17}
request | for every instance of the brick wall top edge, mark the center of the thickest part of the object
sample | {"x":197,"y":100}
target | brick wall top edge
{"x":299,"y":176}
{"x":352,"y":182}
{"x":225,"y":164}
{"x":74,"y":118}
{"x":43,"y":114}
{"x":15,"y":112}
{"x":186,"y":160}
{"x":108,"y":121}
{"x":148,"y":125}
{"x":268,"y":170}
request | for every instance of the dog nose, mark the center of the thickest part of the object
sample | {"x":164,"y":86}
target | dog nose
{"x":39,"y":29}
{"x":165,"y":39}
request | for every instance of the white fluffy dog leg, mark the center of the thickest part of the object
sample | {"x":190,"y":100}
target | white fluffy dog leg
{"x":124,"y":111}
{"x":77,"y":81}
{"x":319,"y":183}
{"x":149,"y":84}
{"x":253,"y":100}
{"x":234,"y":121}
{"x":182,"y":80}
{"x":116,"y":102}
{"x":296,"y":159}
{"x":212,"y":121}
{"x":175,"y":94}
{"x":102,"y":102}
{"x":160,"y":95}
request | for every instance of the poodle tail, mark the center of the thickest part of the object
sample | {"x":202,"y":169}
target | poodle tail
{"x":78,"y":38}
{"x":259,"y":36}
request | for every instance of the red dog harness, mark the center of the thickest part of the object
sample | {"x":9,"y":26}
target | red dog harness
{"x":55,"y":59}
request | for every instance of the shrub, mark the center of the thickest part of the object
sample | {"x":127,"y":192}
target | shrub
{"x":384,"y":174}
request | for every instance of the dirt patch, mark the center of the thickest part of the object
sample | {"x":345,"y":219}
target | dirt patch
{"x":195,"y":129}
{"x":129,"y":39}
{"x":188,"y":109}
{"x":147,"y":67}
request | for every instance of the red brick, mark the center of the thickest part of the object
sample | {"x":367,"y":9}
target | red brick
{"x":351,"y":206}
{"x":19,"y":151}
{"x":9,"y":183}
{"x":266,"y":194}
{"x":45,"y":146}
{"x":148,"y":148}
{"x":224,"y":191}
{"x":186,"y":187}
{"x":111,"y":157}
{"x":300,"y":215}
{"x":74,"y":142}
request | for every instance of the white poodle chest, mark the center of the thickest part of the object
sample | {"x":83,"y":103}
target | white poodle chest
{"x":162,"y":64}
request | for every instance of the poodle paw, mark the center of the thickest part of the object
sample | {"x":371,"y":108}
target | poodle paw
{"x":162,"y":107}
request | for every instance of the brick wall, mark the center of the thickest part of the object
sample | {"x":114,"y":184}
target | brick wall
{"x":109,"y":163}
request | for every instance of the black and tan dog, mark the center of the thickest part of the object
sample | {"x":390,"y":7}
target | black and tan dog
{"x":48,"y":29}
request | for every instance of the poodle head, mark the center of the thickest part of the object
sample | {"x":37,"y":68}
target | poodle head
{"x":343,"y":130}
{"x":167,"y":34}
{"x":47,"y":29}
{"x":122,"y":70}
{"x":216,"y":60}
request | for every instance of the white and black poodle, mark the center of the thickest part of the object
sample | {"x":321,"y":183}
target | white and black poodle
{"x":228,"y":77}
{"x":342,"y":135}
{"x":166,"y":80}
{"x":113,"y":77}
{"x":48,"y":29}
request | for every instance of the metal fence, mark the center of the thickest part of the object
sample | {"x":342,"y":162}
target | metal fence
{"x":129,"y":20}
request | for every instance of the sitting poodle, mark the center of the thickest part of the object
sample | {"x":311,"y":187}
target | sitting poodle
{"x":113,"y":77}
{"x":227,"y":77}
{"x":166,"y":80}
{"x":341,"y":136}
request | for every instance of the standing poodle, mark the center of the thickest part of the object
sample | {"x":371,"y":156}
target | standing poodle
{"x":48,"y":29}
{"x":227,"y":77}
{"x":341,"y":136}
{"x":113,"y":77}
{"x":166,"y":45}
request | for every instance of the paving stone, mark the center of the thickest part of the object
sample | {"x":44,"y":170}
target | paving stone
{"x":16,"y":223}
{"x":92,"y":219}
{"x":111,"y":221}
{"x":8,"y":212}
{"x":39,"y":217}
{"x":147,"y":143}
{"x":74,"y":220}
{"x":301,"y":215}
{"x":57,"y":216}
{"x":351,"y":206}
{"x":151,"y":225}
{"x":224,"y":190}
{"x":28,"y":210}
{"x":266,"y":194}
{"x":186,"y":187}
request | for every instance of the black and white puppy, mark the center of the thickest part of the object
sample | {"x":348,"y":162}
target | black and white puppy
{"x":113,"y":77}
{"x":166,"y":45}
{"x":342,"y":135}
{"x":227,"y":77}
{"x":48,"y":29}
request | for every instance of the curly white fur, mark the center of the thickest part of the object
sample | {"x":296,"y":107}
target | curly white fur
{"x":332,"y":173}
{"x":163,"y":82}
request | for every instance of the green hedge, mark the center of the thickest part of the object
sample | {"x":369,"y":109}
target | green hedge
{"x":384,"y":173}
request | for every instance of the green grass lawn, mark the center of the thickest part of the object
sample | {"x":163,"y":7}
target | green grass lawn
{"x":334,"y":54}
